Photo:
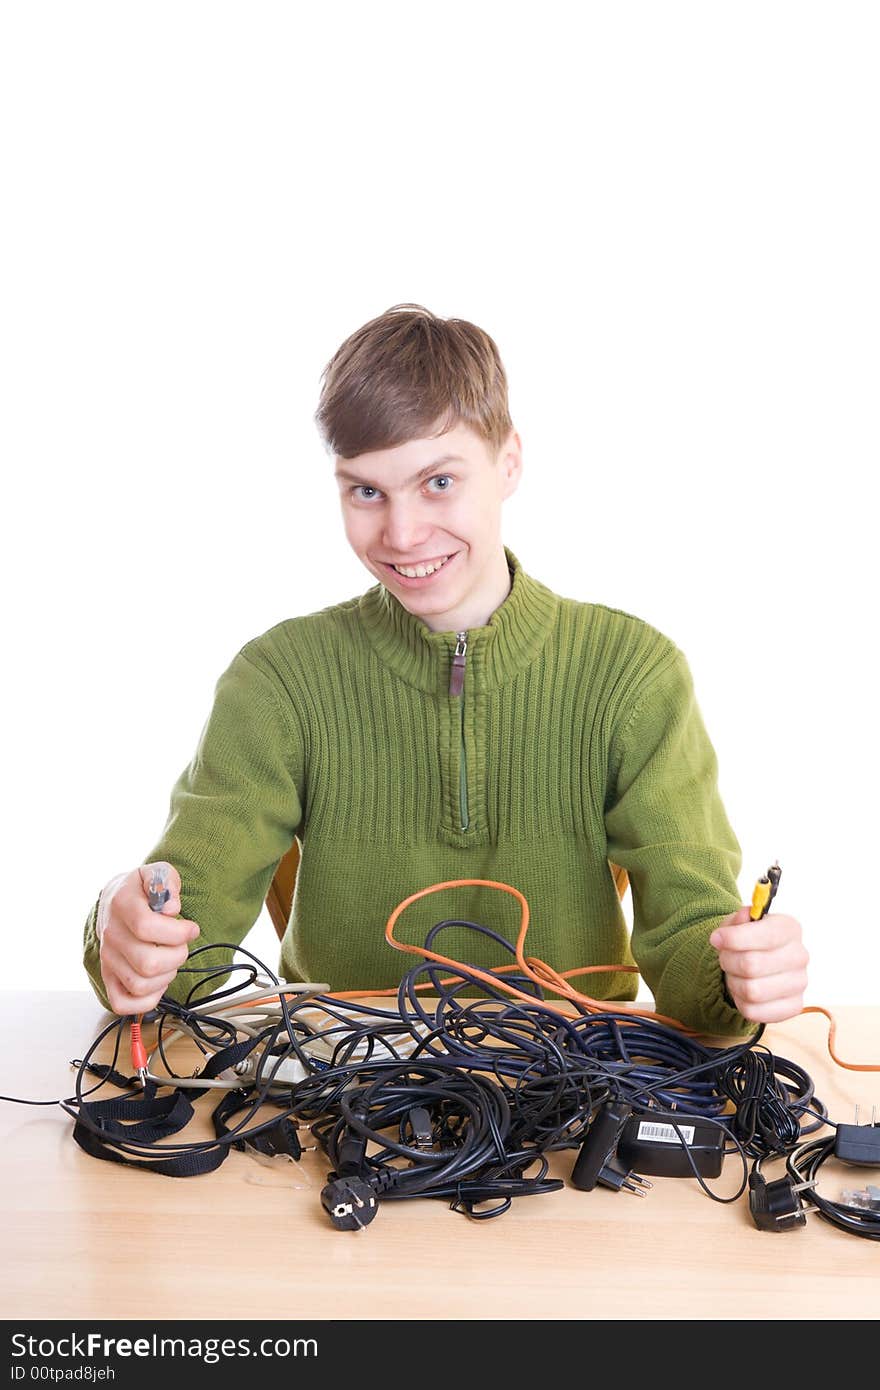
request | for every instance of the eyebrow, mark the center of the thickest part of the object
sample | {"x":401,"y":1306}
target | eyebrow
{"x":417,"y":477}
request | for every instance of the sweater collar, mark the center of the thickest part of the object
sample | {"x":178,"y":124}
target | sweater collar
{"x":510,"y":641}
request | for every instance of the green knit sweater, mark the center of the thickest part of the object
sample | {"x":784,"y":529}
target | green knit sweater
{"x":576,"y":739}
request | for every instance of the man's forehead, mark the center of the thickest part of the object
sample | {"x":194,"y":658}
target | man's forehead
{"x":413,"y":460}
{"x":459,"y":438}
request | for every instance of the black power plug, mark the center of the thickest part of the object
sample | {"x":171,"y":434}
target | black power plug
{"x":775,"y":1206}
{"x":349,"y":1197}
{"x":349,"y":1202}
{"x":597,"y":1161}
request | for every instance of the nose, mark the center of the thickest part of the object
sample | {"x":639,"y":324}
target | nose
{"x":406,"y":529}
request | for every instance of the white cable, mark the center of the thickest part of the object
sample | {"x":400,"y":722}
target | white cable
{"x":258,"y":991}
{"x":321,"y":1044}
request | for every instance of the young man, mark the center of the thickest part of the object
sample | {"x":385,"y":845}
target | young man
{"x":457,"y":720}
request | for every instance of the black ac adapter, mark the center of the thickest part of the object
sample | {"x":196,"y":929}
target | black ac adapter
{"x":859,"y":1144}
{"x":660,"y":1142}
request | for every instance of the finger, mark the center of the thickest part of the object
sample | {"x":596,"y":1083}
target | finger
{"x":766,"y":934}
{"x":772,"y":1012}
{"x":738,"y":918}
{"x":137,"y":924}
{"x":752,"y":964}
{"x":140,"y":972}
{"x":123,"y":1001}
{"x":153,"y":927}
{"x":771,"y":987}
{"x":150,"y":960}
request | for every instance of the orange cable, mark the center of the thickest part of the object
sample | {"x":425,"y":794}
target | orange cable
{"x":537,"y":970}
{"x":533,"y":968}
{"x":543,"y":974}
{"x":832,"y":1026}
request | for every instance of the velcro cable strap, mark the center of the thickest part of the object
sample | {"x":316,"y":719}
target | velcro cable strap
{"x":101,"y":1126}
{"x":106,"y":1073}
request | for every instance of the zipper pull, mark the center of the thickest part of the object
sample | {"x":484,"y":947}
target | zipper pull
{"x":456,"y":675}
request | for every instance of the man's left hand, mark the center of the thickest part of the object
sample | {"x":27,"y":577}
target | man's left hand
{"x":764,"y":964}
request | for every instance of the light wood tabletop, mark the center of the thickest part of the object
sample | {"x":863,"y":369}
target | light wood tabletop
{"x":84,"y":1238}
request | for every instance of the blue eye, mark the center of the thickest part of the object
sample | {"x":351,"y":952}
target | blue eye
{"x":367,"y":487}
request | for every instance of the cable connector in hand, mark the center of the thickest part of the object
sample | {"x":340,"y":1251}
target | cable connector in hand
{"x":158,"y":891}
{"x":138,"y":1052}
{"x":158,"y":894}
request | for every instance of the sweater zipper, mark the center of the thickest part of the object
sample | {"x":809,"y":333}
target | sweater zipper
{"x":456,"y":687}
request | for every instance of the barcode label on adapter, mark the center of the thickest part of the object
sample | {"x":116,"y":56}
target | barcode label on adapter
{"x":666,"y":1134}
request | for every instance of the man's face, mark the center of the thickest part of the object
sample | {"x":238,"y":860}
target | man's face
{"x":426,"y":500}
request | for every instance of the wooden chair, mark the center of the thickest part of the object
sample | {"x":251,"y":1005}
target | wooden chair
{"x":279,"y":899}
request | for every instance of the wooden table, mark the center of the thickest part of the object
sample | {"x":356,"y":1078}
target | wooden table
{"x":82,"y":1238}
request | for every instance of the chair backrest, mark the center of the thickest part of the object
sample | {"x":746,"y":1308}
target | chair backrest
{"x":279,"y":899}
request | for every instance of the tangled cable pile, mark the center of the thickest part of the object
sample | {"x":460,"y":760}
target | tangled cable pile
{"x":461,"y":1099}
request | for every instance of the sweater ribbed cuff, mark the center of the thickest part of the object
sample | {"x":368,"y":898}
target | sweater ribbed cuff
{"x":92,"y":955}
{"x":694,"y":973}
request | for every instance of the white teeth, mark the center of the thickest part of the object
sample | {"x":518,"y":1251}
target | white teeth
{"x":419,"y":571}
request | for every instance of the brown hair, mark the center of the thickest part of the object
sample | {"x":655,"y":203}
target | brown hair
{"x":411,"y":375}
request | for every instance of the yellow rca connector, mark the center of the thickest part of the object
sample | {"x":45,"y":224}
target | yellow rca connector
{"x":765,"y":891}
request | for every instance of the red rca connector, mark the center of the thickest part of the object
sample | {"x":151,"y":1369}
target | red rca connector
{"x":138,"y":1051}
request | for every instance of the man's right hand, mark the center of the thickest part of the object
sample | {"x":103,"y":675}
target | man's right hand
{"x":141,"y":950}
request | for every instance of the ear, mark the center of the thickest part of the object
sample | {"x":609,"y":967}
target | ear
{"x":511,"y":463}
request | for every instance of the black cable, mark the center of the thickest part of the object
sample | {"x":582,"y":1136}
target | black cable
{"x":468,"y":1158}
{"x":118,"y":1024}
{"x":803,"y":1166}
{"x":767,"y":1111}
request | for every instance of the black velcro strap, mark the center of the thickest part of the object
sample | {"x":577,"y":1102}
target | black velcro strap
{"x":106,"y":1073}
{"x":147,"y":1119}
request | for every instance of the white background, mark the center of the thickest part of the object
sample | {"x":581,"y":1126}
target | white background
{"x":667,"y":217}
